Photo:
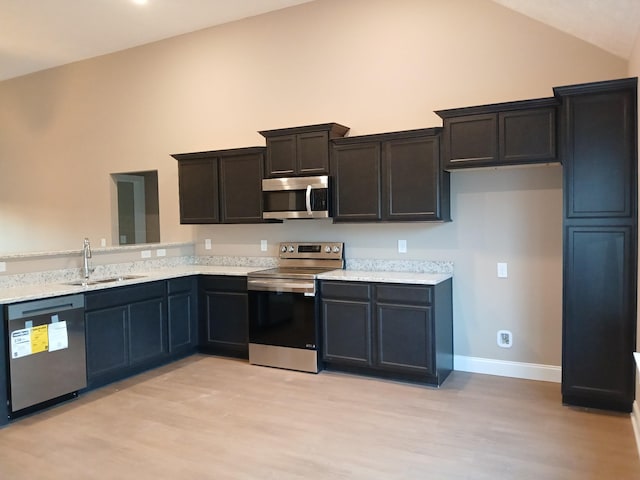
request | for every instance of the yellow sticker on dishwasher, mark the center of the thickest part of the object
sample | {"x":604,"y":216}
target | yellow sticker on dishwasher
{"x":39,"y":339}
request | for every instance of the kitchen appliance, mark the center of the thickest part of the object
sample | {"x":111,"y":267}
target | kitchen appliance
{"x":296,"y":197}
{"x":47,"y":357}
{"x":284,"y":329}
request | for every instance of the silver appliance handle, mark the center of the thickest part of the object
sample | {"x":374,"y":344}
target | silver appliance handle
{"x":308,"y":200}
{"x":292,"y":286}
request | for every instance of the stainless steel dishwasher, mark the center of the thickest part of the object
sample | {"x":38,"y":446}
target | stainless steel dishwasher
{"x":47,"y":357}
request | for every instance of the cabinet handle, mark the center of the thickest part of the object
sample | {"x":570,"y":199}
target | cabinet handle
{"x":308,"y":200}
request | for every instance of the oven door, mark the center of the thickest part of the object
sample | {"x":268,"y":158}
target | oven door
{"x":299,"y":197}
{"x":283,"y":330}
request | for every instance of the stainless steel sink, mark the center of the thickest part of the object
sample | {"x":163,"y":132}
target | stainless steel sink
{"x":91,"y":281}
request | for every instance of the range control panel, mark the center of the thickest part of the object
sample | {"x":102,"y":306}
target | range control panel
{"x":322,"y":250}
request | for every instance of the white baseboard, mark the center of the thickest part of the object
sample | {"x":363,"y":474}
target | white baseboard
{"x":503,"y":368}
{"x":635,"y":421}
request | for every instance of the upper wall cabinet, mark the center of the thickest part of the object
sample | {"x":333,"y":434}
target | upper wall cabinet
{"x":300,"y":151}
{"x":511,"y":133}
{"x":390,"y":177}
{"x":222,"y":186}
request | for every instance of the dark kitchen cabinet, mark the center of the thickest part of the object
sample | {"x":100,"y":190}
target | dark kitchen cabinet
{"x":346,"y":323}
{"x":390,"y":330}
{"x":222,"y":186}
{"x":300,"y":151}
{"x":598,"y":146}
{"x":513,"y":133}
{"x":182,"y":314}
{"x":4,"y":410}
{"x":224,"y":315}
{"x":126,"y":331}
{"x":390,"y":177}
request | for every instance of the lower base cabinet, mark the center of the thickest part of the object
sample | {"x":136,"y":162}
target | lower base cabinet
{"x":4,"y":409}
{"x":224,"y":316}
{"x":389,"y":330}
{"x":182,"y":315}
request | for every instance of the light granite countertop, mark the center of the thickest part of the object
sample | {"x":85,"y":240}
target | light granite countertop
{"x":386,"y":277}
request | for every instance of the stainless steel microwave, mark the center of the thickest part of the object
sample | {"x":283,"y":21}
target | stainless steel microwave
{"x":296,"y":197}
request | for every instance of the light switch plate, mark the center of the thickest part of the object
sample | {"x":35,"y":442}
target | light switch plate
{"x":145,"y":254}
{"x":263,"y":245}
{"x":161,"y":252}
{"x":3,"y":266}
{"x":502,"y":270}
{"x":103,"y":242}
{"x":207,"y":244}
{"x":402,"y":246}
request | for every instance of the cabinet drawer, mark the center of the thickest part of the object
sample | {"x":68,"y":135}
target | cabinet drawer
{"x":224,"y":283}
{"x":405,"y":294}
{"x":346,"y":290}
{"x":176,"y":285}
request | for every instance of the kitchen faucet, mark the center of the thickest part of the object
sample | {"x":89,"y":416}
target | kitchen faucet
{"x":86,"y":255}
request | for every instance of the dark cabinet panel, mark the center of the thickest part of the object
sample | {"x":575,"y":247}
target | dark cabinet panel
{"x":4,"y":411}
{"x":412,"y":179}
{"x":224,"y":317}
{"x":396,"y":330}
{"x":182,"y":314}
{"x":390,"y":177}
{"x":300,"y":151}
{"x":241,"y":188}
{"x":598,"y":316}
{"x":221,"y":186}
{"x":106,"y":341}
{"x":598,"y":141}
{"x":405,"y":338}
{"x":198,"y":190}
{"x":147,"y":331}
{"x":512,"y":133}
{"x":346,"y":332}
{"x":356,"y":175}
{"x":600,"y":145}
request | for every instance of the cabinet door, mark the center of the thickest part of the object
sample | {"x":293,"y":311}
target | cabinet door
{"x":313,"y":153}
{"x":241,"y":188}
{"x":4,"y":412}
{"x":404,"y":338}
{"x":281,"y":156}
{"x":226,"y":322}
{"x":147,"y":331}
{"x":346,"y":328}
{"x":600,"y":135}
{"x":356,"y":175}
{"x":411,"y":174}
{"x":470,"y":140}
{"x":106,"y":339}
{"x":198,"y":187}
{"x":181,"y":320}
{"x":527,"y":136}
{"x":599,"y":320}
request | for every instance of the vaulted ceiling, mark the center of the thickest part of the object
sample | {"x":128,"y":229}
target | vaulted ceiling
{"x":39,"y":34}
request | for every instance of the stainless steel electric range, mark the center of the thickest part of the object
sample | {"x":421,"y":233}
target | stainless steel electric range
{"x":284,"y":328}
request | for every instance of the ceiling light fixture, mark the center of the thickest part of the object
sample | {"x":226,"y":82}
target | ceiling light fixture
{"x":140,"y":2}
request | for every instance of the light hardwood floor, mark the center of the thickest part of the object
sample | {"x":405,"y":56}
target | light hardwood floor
{"x":215,"y":418}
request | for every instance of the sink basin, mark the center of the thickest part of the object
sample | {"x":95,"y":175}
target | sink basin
{"x":119,"y":278}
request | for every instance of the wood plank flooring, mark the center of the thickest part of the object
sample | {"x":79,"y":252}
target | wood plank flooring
{"x":214,"y":418}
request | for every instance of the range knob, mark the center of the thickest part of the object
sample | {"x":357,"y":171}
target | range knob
{"x":291,"y":249}
{"x":336,"y":248}
{"x":327,"y":249}
{"x":283,"y":248}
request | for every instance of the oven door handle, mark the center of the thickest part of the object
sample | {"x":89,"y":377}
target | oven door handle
{"x":259,"y":285}
{"x":308,"y":200}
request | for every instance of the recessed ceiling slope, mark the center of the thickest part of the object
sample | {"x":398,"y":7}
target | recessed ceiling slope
{"x":40,"y":34}
{"x":612,"y":25}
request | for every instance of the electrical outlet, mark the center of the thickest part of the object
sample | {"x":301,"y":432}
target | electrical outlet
{"x":263,"y":245}
{"x":145,"y":254}
{"x":502,"y":270}
{"x":402,"y":246}
{"x":504,"y":339}
{"x":103,"y":242}
{"x":3,"y":266}
{"x":207,"y":244}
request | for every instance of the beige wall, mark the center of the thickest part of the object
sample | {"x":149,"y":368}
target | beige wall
{"x":373,"y":65}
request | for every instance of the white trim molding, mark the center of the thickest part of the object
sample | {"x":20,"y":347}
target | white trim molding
{"x":503,"y":368}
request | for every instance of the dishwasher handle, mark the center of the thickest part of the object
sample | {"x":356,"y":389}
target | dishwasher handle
{"x":18,"y":311}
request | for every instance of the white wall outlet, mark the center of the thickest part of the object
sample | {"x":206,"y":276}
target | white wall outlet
{"x":161,"y":252}
{"x":145,"y":253}
{"x":207,"y":244}
{"x":402,"y":246}
{"x":263,"y":245}
{"x":103,"y":242}
{"x":3,"y":266}
{"x":504,"y":339}
{"x":502,"y":270}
